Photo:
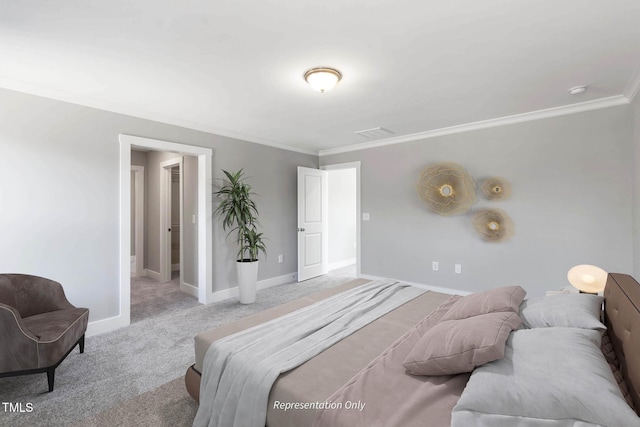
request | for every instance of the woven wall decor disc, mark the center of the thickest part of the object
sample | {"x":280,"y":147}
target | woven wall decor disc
{"x":495,"y":188}
{"x":446,"y":188}
{"x":493,"y":225}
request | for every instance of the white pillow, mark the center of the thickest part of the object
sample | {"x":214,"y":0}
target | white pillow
{"x":568,"y":310}
{"x":548,"y":377}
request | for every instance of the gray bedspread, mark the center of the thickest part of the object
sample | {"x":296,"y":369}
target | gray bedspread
{"x":240,"y":370}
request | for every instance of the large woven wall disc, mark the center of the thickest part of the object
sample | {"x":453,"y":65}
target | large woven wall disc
{"x":493,"y":225}
{"x":495,"y":188}
{"x":447,"y":189}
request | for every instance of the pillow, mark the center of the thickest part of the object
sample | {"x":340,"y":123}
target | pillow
{"x":569,"y":310}
{"x":507,"y":298}
{"x":548,"y":376}
{"x":457,"y":346}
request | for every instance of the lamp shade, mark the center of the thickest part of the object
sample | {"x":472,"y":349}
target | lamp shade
{"x":322,"y":79}
{"x":587,"y":278}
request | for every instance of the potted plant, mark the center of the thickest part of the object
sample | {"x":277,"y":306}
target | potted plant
{"x":240,"y":215}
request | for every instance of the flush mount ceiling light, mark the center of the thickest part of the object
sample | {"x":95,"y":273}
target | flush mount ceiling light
{"x":577,"y":90}
{"x":322,"y":79}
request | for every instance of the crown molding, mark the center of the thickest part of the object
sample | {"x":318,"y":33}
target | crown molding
{"x":633,"y":85}
{"x":631,"y":90}
{"x":485,"y":124}
{"x":85,"y":101}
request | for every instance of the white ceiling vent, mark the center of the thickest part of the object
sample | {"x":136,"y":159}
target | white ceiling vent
{"x":375,"y":133}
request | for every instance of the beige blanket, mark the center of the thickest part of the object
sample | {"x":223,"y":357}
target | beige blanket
{"x":239,"y":370}
{"x":384,"y":395}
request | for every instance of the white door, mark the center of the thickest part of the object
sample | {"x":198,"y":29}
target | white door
{"x":313,"y":250}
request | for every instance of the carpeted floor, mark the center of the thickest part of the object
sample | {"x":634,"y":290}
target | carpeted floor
{"x":150,"y":298}
{"x":120,"y":367}
{"x":166,"y":406}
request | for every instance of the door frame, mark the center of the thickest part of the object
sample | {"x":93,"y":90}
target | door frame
{"x":205,"y":219}
{"x":138,"y":242}
{"x":166,"y":190}
{"x":356,"y":166}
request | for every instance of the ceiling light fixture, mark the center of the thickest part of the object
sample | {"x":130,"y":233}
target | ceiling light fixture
{"x":577,"y":90}
{"x":322,"y":79}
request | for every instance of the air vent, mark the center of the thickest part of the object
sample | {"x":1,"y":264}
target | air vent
{"x":375,"y":133}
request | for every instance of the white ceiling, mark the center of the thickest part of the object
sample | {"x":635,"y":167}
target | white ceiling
{"x":235,"y":67}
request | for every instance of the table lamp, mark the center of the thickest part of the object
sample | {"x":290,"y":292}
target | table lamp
{"x":588,"y":279}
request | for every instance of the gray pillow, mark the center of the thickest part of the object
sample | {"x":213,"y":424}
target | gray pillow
{"x":456,"y":346}
{"x":548,"y":377}
{"x":507,"y":298}
{"x":568,"y":310}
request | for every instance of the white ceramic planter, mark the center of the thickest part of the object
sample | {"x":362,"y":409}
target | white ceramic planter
{"x":247,"y":281}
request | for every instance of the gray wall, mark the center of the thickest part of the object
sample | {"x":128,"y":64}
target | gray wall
{"x":133,"y":213}
{"x":190,"y":230}
{"x":152,"y":213}
{"x":635,"y":111}
{"x":572,"y":184}
{"x":342,"y":215}
{"x":273,"y":175}
{"x":138,"y":158}
{"x":59,"y":195}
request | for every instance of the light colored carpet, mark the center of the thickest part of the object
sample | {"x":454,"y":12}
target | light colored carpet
{"x":151,"y":298}
{"x":126,"y":363}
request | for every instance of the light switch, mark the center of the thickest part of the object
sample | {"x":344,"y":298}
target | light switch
{"x":193,"y":219}
{"x":365,"y":216}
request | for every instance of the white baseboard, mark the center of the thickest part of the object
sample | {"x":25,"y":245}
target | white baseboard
{"x":113,"y":323}
{"x":152,"y":274}
{"x":189,"y":289}
{"x":343,"y":263}
{"x":262,"y":284}
{"x":105,"y":325}
{"x":420,"y":285}
{"x":175,"y":267}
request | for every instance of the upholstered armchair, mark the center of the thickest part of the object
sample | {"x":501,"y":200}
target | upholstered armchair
{"x":38,"y":326}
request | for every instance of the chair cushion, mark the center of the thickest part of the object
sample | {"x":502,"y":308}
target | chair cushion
{"x":57,"y":332}
{"x":51,"y":326}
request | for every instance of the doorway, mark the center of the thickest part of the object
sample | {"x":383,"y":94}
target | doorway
{"x":345,"y":239}
{"x":203,"y":219}
{"x":342,"y":218}
{"x":356,"y":167}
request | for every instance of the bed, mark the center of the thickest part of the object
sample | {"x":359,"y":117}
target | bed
{"x":348,"y":371}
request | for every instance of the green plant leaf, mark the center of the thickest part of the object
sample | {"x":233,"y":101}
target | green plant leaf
{"x":239,"y":215}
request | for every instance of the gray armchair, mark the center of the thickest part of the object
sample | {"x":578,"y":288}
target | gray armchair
{"x":38,"y":326}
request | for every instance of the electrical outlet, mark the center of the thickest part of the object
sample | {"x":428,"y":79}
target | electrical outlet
{"x":458,"y":268}
{"x":280,"y":259}
{"x":366,"y":216}
{"x":434,"y":265}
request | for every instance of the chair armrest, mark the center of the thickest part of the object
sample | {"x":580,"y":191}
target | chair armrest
{"x":11,"y":325}
{"x":19,"y":349}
